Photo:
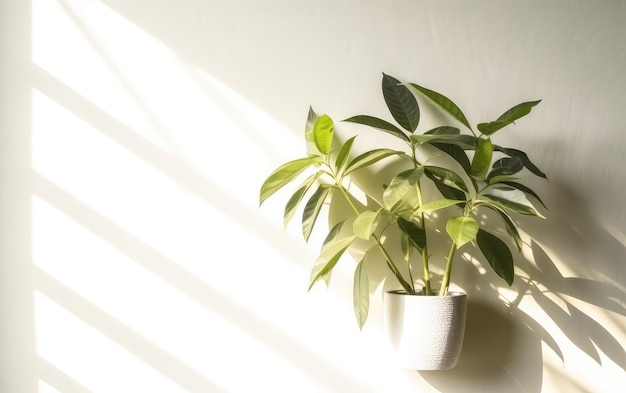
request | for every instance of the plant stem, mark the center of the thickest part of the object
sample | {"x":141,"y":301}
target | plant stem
{"x":445,"y":282}
{"x":426,"y":273}
{"x":409,"y":287}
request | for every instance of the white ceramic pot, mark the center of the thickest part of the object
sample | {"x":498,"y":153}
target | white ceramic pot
{"x":425,"y":332}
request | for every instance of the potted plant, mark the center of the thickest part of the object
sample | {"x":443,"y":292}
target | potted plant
{"x":441,"y":170}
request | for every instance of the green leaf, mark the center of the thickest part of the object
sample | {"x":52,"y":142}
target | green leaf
{"x":445,"y":190}
{"x":491,"y":127}
{"x":284,"y":174}
{"x":497,"y":254}
{"x":507,"y":117}
{"x":401,"y":103}
{"x":328,"y":258}
{"x":310,"y":122}
{"x":482,"y":158}
{"x":380,"y":124}
{"x":323,"y":132}
{"x":513,"y":199}
{"x":437,"y":205}
{"x":447,"y":177}
{"x":361,"y":293}
{"x":369,"y":158}
{"x":524,"y":157}
{"x":402,"y":190}
{"x":443,"y":130}
{"x":365,"y":223}
{"x":511,"y":229}
{"x":462,"y":230}
{"x":415,"y":233}
{"x":467,"y":142}
{"x":344,"y":153}
{"x":296,"y":198}
{"x":444,"y":103}
{"x":525,"y":189}
{"x":312,"y":210}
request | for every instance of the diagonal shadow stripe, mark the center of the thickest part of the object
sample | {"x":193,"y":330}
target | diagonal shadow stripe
{"x":56,"y":378}
{"x":176,"y":169}
{"x":195,"y":289}
{"x":132,"y":341}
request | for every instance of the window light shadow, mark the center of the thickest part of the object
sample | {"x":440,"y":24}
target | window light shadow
{"x":188,"y":284}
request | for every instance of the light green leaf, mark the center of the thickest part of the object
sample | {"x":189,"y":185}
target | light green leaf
{"x":323,"y":132}
{"x":401,"y":103}
{"x":310,"y":122}
{"x":380,"y":124}
{"x":328,"y":258}
{"x":402,"y":190}
{"x":437,"y":205}
{"x":365,"y":223}
{"x":369,"y":158}
{"x":284,"y":174}
{"x":462,"y":230}
{"x":444,"y":103}
{"x":296,"y":198}
{"x":344,"y":153}
{"x":312,"y":210}
{"x":361,"y":293}
{"x":482,"y":158}
{"x":497,"y":254}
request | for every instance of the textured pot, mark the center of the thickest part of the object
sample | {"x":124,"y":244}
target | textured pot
{"x":425,"y":332}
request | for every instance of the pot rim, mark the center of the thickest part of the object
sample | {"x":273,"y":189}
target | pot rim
{"x":402,"y":292}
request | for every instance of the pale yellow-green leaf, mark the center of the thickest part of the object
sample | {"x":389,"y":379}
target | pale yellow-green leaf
{"x":462,"y":230}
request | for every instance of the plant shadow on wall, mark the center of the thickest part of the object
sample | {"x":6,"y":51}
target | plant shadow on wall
{"x":495,"y":334}
{"x":504,"y":345}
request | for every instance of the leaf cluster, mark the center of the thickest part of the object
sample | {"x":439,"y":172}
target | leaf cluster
{"x":479,"y":175}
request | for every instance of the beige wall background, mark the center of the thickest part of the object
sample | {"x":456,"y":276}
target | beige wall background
{"x":135,"y":136}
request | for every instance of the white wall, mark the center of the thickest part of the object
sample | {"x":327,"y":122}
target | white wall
{"x":136,"y":134}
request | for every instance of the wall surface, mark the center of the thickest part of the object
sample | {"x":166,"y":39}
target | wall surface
{"x":135,"y":135}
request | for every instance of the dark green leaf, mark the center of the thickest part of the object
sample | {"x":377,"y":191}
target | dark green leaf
{"x":524,"y":157}
{"x":401,"y":103}
{"x":505,"y":167}
{"x":369,"y":158}
{"x":443,"y":130}
{"x":507,"y":117}
{"x":491,"y":127}
{"x":447,"y":177}
{"x":444,"y":189}
{"x":444,"y":103}
{"x":284,"y":174}
{"x":497,"y":254}
{"x":515,"y":200}
{"x":361,"y":293}
{"x":312,"y":210}
{"x":379,"y":124}
{"x":525,"y":189}
{"x":457,"y":153}
{"x":415,"y":233}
